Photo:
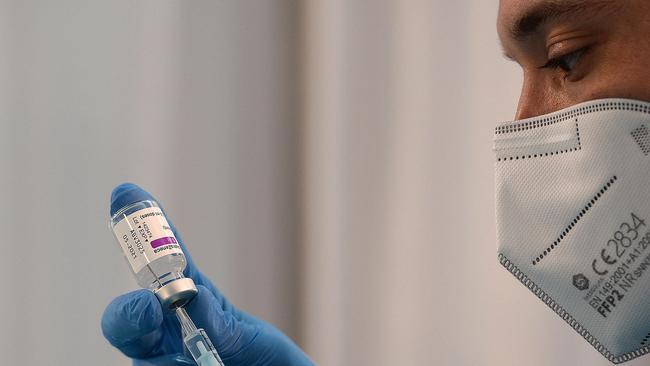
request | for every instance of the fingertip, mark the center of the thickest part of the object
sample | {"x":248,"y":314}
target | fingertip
{"x":125,"y":194}
{"x":223,"y":328}
{"x":204,"y":299}
{"x":131,"y":316}
{"x":207,"y":312}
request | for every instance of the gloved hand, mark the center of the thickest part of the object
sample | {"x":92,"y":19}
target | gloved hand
{"x":136,"y":324}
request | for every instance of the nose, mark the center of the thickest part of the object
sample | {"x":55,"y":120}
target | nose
{"x":523,"y":111}
{"x":537,"y":97}
{"x":529,"y":99}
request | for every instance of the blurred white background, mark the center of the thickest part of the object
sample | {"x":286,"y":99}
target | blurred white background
{"x":328,"y":163}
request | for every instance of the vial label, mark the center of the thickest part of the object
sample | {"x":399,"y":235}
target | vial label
{"x":145,"y":236}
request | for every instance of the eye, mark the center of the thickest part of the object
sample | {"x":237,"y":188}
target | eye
{"x":567,"y":62}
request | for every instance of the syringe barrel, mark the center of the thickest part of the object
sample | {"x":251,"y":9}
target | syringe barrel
{"x":201,"y":349}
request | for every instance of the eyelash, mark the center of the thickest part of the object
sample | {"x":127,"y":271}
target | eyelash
{"x":562,"y":61}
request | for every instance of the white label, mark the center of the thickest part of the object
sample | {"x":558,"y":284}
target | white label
{"x":145,"y":236}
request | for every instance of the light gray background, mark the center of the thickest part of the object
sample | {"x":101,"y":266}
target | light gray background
{"x":327,"y":161}
{"x":192,"y":102}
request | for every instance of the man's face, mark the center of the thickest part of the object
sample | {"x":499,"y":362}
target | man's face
{"x":573,"y":51}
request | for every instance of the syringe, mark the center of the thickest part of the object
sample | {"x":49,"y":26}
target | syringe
{"x":197,"y":341}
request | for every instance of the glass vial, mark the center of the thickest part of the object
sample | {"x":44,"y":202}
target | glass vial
{"x":153,"y":253}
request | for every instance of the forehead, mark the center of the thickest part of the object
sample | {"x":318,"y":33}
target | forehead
{"x":511,"y":10}
{"x":517,"y":17}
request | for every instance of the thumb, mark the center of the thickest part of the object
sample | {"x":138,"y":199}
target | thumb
{"x":132,"y":323}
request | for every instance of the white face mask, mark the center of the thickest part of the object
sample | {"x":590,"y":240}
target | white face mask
{"x":573,"y":218}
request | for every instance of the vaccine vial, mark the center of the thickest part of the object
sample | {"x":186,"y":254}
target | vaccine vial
{"x":153,"y":253}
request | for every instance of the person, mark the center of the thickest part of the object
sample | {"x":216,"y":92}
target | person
{"x":570,"y":51}
{"x":571,"y":170}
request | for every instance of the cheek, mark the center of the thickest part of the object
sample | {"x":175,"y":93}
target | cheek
{"x":614,"y":75}
{"x":633,"y":80}
{"x":619,"y":70}
{"x":615,"y":85}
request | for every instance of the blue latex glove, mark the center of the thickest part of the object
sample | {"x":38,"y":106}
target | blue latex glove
{"x":136,"y":324}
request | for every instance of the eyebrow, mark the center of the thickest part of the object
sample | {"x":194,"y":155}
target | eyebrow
{"x":530,"y":22}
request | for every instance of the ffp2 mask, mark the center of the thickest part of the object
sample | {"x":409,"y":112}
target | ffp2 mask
{"x":573,"y":218}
